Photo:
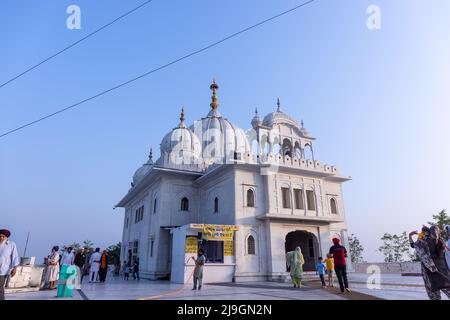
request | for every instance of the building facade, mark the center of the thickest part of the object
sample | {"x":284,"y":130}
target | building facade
{"x":245,"y":197}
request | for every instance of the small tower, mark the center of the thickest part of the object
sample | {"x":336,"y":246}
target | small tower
{"x":256,"y":121}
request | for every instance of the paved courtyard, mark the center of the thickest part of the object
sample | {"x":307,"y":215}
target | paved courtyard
{"x":392,"y":287}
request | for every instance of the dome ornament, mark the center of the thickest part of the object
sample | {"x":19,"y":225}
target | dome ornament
{"x":278,"y":105}
{"x":150,"y":156}
{"x":214,"y":87}
{"x":182,"y":119}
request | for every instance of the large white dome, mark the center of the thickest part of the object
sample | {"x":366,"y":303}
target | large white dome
{"x":220,"y":139}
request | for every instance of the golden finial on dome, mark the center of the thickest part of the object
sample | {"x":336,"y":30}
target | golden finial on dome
{"x":214,"y":87}
{"x":278,"y":105}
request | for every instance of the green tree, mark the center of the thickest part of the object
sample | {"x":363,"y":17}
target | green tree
{"x":114,"y":253}
{"x":356,"y":249}
{"x":441,"y":220}
{"x":395,"y":247}
{"x":88,"y":246}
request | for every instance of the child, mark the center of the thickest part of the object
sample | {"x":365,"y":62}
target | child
{"x":320,"y":269}
{"x":330,"y":268}
{"x":126,"y":270}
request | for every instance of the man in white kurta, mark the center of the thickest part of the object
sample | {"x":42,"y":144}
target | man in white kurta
{"x":94,"y":262}
{"x":68,"y":257}
{"x":9,"y":260}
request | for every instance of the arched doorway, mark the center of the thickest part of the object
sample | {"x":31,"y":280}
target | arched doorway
{"x":309,"y":244}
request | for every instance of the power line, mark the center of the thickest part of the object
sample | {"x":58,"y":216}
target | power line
{"x":75,"y":43}
{"x":157,"y":69}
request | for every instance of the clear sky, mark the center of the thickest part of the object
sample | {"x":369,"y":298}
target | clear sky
{"x":376,"y":100}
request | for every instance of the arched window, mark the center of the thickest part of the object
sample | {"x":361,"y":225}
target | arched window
{"x":184,"y":204}
{"x":286,"y":198}
{"x":250,"y":198}
{"x":310,"y":200}
{"x":307,"y":152}
{"x":251,"y":245}
{"x":287,"y":148}
{"x":154,"y":204}
{"x":216,"y":205}
{"x":333,"y":205}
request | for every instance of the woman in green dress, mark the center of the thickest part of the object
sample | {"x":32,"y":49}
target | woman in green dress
{"x":295,"y":262}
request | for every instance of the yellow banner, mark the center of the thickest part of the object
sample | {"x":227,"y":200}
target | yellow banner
{"x":228,"y":248}
{"x":191,"y":245}
{"x":218,"y":232}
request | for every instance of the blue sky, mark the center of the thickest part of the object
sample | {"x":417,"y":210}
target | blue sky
{"x":377,"y":102}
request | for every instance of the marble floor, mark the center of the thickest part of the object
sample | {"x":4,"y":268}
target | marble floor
{"x":392,"y":287}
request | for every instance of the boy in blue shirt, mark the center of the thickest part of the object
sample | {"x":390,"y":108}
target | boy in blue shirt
{"x":320,"y":270}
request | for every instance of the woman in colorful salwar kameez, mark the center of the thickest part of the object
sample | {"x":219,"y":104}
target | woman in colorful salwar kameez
{"x":430,"y":248}
{"x":295,"y":262}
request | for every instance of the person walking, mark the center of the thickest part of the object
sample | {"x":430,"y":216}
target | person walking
{"x":52,"y":268}
{"x":68,"y":257}
{"x":9,"y":260}
{"x":136,"y":268}
{"x":295,"y":262}
{"x":430,"y":248}
{"x":80,"y":261}
{"x":94,"y":263}
{"x":320,"y":270}
{"x":340,"y":264}
{"x":103,"y":266}
{"x":198,"y":269}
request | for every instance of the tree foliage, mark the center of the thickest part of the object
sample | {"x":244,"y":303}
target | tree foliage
{"x":396,"y":248}
{"x":356,"y":249}
{"x":441,"y":220}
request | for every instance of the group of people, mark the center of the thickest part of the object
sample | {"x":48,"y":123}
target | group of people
{"x":434,"y":254}
{"x":131,"y":266}
{"x":95,"y":265}
{"x":334,"y":263}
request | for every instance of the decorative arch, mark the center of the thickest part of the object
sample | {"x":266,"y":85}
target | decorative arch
{"x":250,"y":195}
{"x":298,"y":150}
{"x":250,"y":245}
{"x":184,"y":204}
{"x":287,"y":148}
{"x":308,"y":152}
{"x":333,"y":206}
{"x":216,"y":205}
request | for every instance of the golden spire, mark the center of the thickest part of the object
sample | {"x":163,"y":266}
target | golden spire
{"x":182,"y":118}
{"x":214,"y":87}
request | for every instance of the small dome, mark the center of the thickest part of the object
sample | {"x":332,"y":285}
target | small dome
{"x":279,"y":117}
{"x":256,"y":121}
{"x":180,"y":146}
{"x":142,"y":171}
{"x":181,"y":139}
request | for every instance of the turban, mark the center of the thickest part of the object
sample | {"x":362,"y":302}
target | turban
{"x":5,"y":232}
{"x":336,"y":240}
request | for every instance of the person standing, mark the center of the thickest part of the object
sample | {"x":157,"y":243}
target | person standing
{"x":79,"y":261}
{"x":447,"y":251}
{"x":198,"y":269}
{"x":330,"y":269}
{"x":295,"y":262}
{"x":52,"y":269}
{"x":430,"y":248}
{"x":9,"y":260}
{"x":94,"y":262}
{"x":125,"y":270}
{"x":103,"y":266}
{"x":340,"y":264}
{"x":136,"y":268}
{"x":68,"y":257}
